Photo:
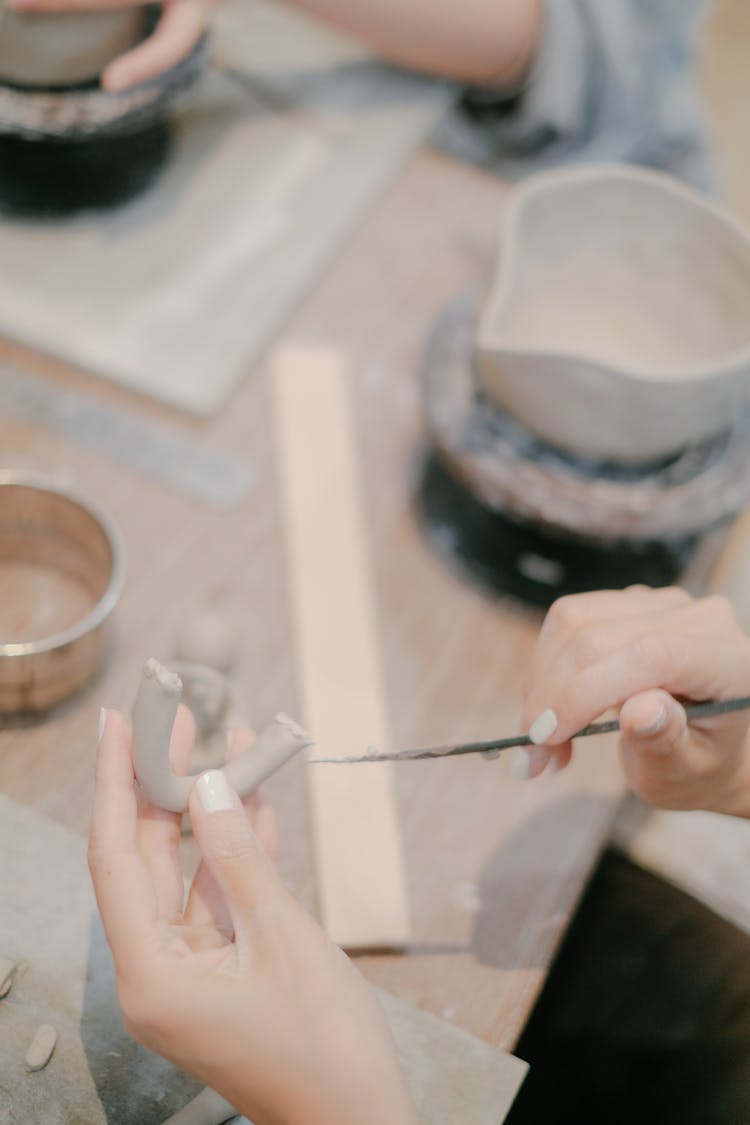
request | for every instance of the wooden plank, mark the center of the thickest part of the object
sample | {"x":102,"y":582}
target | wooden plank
{"x":362,"y":884}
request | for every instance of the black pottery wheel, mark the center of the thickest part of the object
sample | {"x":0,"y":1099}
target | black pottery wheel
{"x":51,"y":178}
{"x":533,"y":563}
{"x":536,"y":523}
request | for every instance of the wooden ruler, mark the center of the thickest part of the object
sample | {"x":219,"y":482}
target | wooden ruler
{"x":361,"y":876}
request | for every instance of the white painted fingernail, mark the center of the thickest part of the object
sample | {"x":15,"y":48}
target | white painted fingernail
{"x":215,"y":793}
{"x":543,"y":728}
{"x":656,"y":725}
{"x":521,"y":767}
{"x":102,"y":723}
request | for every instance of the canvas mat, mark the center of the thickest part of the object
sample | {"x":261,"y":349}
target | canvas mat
{"x":175,"y":294}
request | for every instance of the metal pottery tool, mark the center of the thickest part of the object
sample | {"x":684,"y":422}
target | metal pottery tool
{"x":694,"y":711}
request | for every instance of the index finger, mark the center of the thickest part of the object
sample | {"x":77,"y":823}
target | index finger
{"x":179,"y":29}
{"x":123,"y":888}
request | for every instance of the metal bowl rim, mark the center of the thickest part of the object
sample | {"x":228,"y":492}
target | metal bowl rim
{"x":102,"y":610}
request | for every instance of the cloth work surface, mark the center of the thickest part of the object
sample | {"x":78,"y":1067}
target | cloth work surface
{"x":613,"y":80}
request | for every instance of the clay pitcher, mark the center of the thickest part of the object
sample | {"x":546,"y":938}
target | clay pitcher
{"x":617,"y":327}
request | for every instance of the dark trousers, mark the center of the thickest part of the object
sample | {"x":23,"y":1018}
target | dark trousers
{"x":645,"y":1017}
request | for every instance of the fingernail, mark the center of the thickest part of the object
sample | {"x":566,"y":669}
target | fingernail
{"x":543,"y":728}
{"x":215,"y":793}
{"x":655,"y":726}
{"x":102,"y":723}
{"x":521,"y":766}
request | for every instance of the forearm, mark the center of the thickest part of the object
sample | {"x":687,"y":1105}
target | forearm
{"x":476,"y":41}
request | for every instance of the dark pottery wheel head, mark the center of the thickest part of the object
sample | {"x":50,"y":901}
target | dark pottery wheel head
{"x":530,"y":562}
{"x":66,"y":150}
{"x":56,"y":178}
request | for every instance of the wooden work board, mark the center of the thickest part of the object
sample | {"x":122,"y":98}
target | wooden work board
{"x":494,"y":866}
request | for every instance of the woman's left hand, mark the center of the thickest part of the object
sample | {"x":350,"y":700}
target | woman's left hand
{"x":236,"y":983}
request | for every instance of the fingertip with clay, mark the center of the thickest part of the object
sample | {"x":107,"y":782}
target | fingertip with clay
{"x":530,"y":761}
{"x":113,"y":735}
{"x":229,"y":844}
{"x":652,"y":721}
{"x":543,"y":727}
{"x":215,"y":794}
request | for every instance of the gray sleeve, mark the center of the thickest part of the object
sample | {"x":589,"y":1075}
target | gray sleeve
{"x":612,"y":80}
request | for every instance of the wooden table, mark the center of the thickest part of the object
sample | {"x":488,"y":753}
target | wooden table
{"x":453,"y":657}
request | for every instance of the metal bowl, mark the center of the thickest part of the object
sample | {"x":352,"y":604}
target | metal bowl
{"x":46,"y":528}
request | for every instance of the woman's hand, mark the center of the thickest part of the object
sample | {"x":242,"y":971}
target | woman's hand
{"x":236,"y":984}
{"x":180,"y":26}
{"x":642,"y":651}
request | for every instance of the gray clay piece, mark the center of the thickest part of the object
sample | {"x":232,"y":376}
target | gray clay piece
{"x":154,"y":714}
{"x":41,"y":1047}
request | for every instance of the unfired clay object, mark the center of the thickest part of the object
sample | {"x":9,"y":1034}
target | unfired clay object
{"x":209,"y":637}
{"x":217,"y":708}
{"x":154,"y":713}
{"x":617,"y":324}
{"x":47,"y":50}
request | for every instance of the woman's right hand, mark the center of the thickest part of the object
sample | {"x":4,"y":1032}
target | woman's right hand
{"x":237,"y":985}
{"x":645,"y":653}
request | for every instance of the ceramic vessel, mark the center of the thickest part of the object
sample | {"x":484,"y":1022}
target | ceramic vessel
{"x":65,"y":49}
{"x":618,"y":324}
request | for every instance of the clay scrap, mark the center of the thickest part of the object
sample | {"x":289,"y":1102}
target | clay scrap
{"x":154,"y":714}
{"x":41,"y":1047}
{"x":7,"y":973}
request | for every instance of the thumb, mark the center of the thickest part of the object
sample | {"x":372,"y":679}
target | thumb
{"x":653,"y":725}
{"x":230,"y":848}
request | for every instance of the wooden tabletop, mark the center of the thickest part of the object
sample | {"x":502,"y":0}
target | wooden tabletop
{"x":495,"y":866}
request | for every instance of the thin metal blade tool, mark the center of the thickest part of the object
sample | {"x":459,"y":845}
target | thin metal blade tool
{"x":705,"y":710}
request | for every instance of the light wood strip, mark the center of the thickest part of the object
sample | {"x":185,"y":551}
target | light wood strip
{"x":361,"y":876}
